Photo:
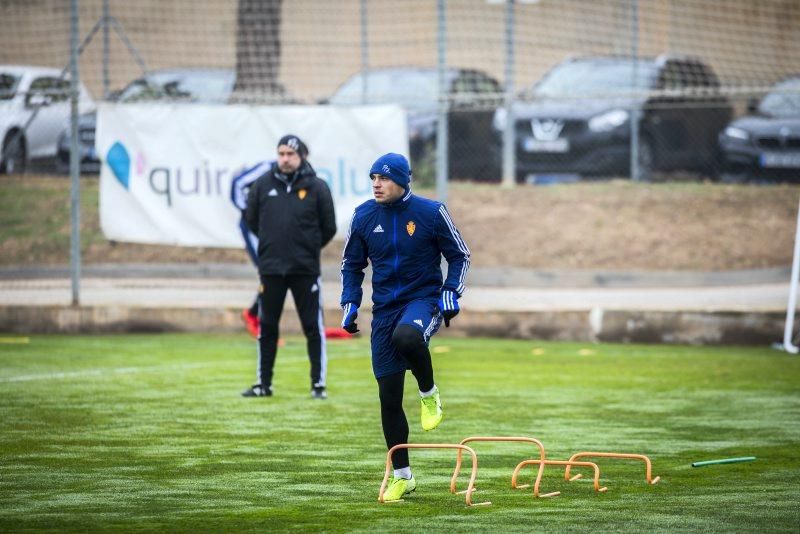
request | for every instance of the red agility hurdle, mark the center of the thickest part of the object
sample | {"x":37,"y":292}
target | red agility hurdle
{"x":464,"y":441}
{"x":459,"y":447}
{"x":539,"y":474}
{"x":648,"y":466}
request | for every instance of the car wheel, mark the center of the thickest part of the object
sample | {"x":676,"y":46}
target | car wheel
{"x":713,"y":168}
{"x":61,"y":166}
{"x":423,"y":163}
{"x":14,"y":154}
{"x":647,"y":160}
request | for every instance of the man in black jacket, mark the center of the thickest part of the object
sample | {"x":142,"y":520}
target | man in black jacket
{"x":291,"y":211}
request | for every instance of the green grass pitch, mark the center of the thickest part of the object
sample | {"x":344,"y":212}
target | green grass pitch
{"x":148,"y":432}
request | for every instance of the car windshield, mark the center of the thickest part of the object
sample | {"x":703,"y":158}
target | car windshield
{"x":409,"y":88}
{"x":783,"y":100}
{"x":200,"y":86}
{"x":577,"y":78}
{"x":8,"y":85}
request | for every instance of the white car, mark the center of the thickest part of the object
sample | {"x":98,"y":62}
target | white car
{"x":34,"y":106}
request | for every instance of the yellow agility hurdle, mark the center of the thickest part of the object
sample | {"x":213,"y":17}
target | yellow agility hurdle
{"x":539,"y":474}
{"x":459,"y":447}
{"x":648,"y":466}
{"x":494,"y":439}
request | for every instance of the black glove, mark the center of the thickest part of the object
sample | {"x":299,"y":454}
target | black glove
{"x":448,"y":305}
{"x":349,"y":318}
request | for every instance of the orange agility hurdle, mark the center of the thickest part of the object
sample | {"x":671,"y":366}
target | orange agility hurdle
{"x":470,"y":487}
{"x":648,"y":466}
{"x":542,"y":463}
{"x":490,"y":438}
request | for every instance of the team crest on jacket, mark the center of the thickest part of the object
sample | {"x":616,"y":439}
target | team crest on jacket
{"x":410,"y":228}
{"x":301,"y":194}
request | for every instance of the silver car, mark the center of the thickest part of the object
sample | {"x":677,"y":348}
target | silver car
{"x":34,"y":106}
{"x":190,"y":85}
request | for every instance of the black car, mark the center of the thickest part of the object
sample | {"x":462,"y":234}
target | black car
{"x":208,"y":86}
{"x":576,"y":121}
{"x":765,"y":144}
{"x":473,"y":96}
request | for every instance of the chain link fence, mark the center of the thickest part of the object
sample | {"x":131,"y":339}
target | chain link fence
{"x":532,"y":91}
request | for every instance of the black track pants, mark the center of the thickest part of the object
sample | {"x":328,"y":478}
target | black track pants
{"x":393,"y":418}
{"x":411,"y":345}
{"x":306,"y":291}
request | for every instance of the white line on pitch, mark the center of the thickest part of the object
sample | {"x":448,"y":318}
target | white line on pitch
{"x":100,"y":372}
{"x":132,"y":370}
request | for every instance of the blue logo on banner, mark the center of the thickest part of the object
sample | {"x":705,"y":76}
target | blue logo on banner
{"x":120,"y":162}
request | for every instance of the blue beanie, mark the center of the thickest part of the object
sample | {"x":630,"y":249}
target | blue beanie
{"x":393,"y":166}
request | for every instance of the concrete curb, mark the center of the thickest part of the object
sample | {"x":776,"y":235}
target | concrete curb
{"x":739,"y":307}
{"x":671,"y":327}
{"x":478,"y":276}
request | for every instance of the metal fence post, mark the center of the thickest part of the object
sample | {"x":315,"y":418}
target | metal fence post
{"x":441,"y":127}
{"x":791,"y":306}
{"x":74,"y":158}
{"x":106,"y":52}
{"x":634,"y":118}
{"x":509,"y":137}
{"x":364,"y":53}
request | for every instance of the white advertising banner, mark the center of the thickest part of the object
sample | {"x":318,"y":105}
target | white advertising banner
{"x":167,"y":169}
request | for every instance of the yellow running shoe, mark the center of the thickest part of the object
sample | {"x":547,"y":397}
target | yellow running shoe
{"x":431,"y":411}
{"x":399,"y":487}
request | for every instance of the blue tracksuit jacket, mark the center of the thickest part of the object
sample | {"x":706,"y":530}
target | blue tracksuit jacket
{"x":405,"y":242}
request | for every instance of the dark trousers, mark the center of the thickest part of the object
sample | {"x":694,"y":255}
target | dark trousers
{"x":306,"y":291}
{"x":411,"y":345}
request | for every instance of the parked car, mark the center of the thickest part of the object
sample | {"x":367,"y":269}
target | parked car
{"x":207,"y":86}
{"x":34,"y":103}
{"x":766,"y":142}
{"x":577,"y":118}
{"x":473,"y":95}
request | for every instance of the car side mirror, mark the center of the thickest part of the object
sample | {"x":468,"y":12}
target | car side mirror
{"x":37,"y":100}
{"x":752,"y":105}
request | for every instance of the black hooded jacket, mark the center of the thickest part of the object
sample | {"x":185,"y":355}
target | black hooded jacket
{"x":293,"y":217}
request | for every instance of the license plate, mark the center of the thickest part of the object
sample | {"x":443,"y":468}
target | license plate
{"x":538,"y":145}
{"x":780,"y":160}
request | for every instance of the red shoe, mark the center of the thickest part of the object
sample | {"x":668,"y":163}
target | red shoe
{"x":251,"y":322}
{"x":337,"y":333}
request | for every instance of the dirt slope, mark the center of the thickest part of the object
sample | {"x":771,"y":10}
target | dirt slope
{"x":610,"y":226}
